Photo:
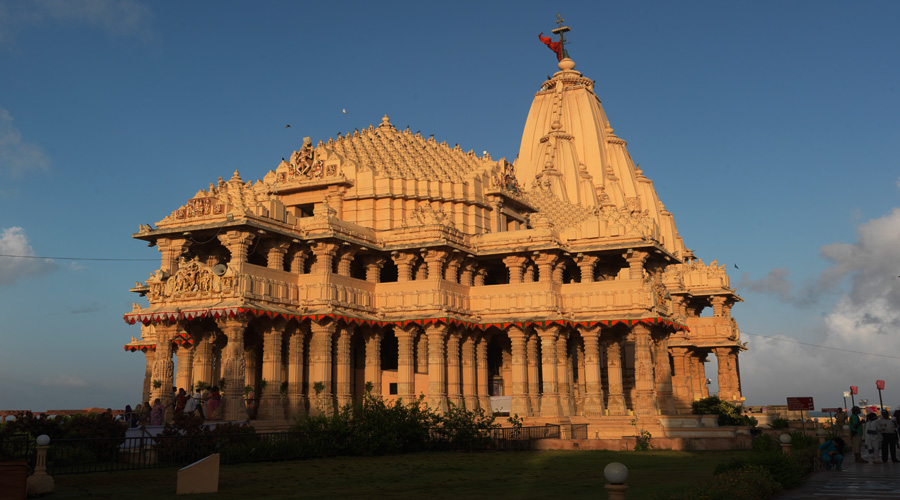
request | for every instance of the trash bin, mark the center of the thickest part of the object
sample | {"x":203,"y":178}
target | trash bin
{"x":13,"y":476}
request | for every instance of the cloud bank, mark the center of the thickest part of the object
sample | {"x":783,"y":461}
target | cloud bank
{"x":125,"y":18}
{"x":18,"y":157}
{"x":14,"y":242}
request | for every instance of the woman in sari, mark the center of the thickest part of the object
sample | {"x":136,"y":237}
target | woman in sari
{"x":158,"y":413}
{"x":145,"y":413}
{"x":214,"y":406}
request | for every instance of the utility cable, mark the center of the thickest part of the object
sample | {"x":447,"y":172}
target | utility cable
{"x":820,"y":346}
{"x":69,"y":258}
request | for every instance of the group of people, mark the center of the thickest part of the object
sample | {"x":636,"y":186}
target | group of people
{"x":872,"y":439}
{"x":206,"y":404}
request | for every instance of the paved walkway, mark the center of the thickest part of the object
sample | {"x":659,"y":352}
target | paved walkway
{"x":856,"y":481}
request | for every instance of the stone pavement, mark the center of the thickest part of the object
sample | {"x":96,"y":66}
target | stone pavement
{"x":856,"y":481}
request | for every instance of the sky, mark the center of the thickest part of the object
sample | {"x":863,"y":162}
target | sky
{"x":770,"y":130}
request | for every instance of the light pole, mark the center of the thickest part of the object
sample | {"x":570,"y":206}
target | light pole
{"x":846,"y":395}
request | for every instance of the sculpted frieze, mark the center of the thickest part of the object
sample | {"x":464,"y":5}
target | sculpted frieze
{"x":192,"y":278}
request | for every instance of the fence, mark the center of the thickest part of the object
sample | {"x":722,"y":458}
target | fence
{"x":74,"y":456}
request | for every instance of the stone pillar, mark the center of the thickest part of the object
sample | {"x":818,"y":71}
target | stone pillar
{"x":454,"y":385}
{"x":406,"y":363}
{"x":479,"y":277}
{"x":270,"y":407}
{"x":497,"y":215}
{"x":545,"y":263}
{"x":298,"y":262}
{"x":616,"y":399}
{"x":170,"y":250}
{"x":586,"y":264}
{"x":373,"y":361}
{"x":202,"y":369}
{"x":663,"y":372}
{"x":681,"y":379}
{"x":532,"y":347}
{"x":636,"y":262}
{"x":275,"y":255}
{"x":296,"y":399}
{"x":150,"y":355}
{"x":469,"y":371}
{"x":324,"y":253}
{"x":521,"y":405}
{"x":727,"y":374}
{"x":566,"y":403}
{"x":434,"y":259}
{"x":451,"y":272}
{"x":467,"y":276}
{"x":343,"y":365}
{"x":699,"y":388}
{"x":320,"y":361}
{"x":345,"y":259}
{"x":374,"y":264}
{"x":404,"y":262}
{"x":593,"y":396}
{"x":163,"y":367}
{"x":644,"y":388}
{"x":183,"y":378}
{"x":481,"y":358}
{"x":515,"y":265}
{"x":437,"y":367}
{"x":550,"y":406}
{"x":233,"y":367}
{"x":237,"y":243}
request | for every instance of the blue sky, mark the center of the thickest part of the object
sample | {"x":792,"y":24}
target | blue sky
{"x":770,"y":130}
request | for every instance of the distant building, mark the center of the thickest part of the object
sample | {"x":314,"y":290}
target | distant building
{"x":556,"y":284}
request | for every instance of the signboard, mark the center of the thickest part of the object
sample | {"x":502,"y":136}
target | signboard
{"x":854,"y":389}
{"x":800,"y":404}
{"x":879,"y":384}
{"x":831,"y":410}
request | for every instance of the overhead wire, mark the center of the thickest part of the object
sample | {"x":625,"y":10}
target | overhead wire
{"x":70,"y":258}
{"x":820,"y":346}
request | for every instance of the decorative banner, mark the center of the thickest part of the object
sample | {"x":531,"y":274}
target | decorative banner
{"x":879,"y":384}
{"x":854,"y":389}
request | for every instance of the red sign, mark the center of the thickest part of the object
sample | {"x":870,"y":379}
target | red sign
{"x":879,"y":384}
{"x":854,"y":389}
{"x":800,"y":404}
{"x":831,"y":410}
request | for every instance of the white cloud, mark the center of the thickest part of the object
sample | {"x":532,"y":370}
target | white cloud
{"x":63,"y":381}
{"x":17,"y":156}
{"x":14,"y":242}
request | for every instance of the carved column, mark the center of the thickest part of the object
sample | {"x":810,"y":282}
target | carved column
{"x":270,"y":407}
{"x":636,"y":262}
{"x":434,"y":259}
{"x":324,"y":253}
{"x":373,"y":361}
{"x":437,"y":367}
{"x":718,"y":304}
{"x":699,"y":388}
{"x":406,"y":363}
{"x":467,"y":276}
{"x":727,"y":374}
{"x":404,"y":262}
{"x":296,"y":399}
{"x":515,"y":265}
{"x":644,"y":389}
{"x":521,"y":405}
{"x":566,"y":402}
{"x":616,"y":399}
{"x":681,"y":379}
{"x":183,"y":378}
{"x":497,"y":216}
{"x":532,"y":347}
{"x":233,"y":367}
{"x":343,"y":372}
{"x":345,"y":259}
{"x":593,"y":397}
{"x":586,"y":264}
{"x":469,"y":372}
{"x":202,"y":369}
{"x":374,"y":264}
{"x":479,"y":276}
{"x":163,"y":368}
{"x":550,"y":406}
{"x":320,"y":361}
{"x":663,"y":371}
{"x":170,"y":250}
{"x":545,"y":263}
{"x":298,"y":262}
{"x":451,"y":272}
{"x":275,"y":255}
{"x":237,"y":243}
{"x":454,"y":386}
{"x":150,"y":355}
{"x":481,"y":358}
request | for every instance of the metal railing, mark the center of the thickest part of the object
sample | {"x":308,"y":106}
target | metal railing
{"x":579,"y":431}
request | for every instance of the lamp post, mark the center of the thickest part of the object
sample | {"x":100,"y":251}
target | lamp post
{"x":785,"y":443}
{"x":40,"y":483}
{"x":846,"y":395}
{"x":616,"y":474}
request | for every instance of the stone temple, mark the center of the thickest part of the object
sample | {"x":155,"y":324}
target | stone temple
{"x":555,"y":287}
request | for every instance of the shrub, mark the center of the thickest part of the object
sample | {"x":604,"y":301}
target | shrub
{"x":728,"y":413}
{"x":779,"y":423}
{"x":784,"y":469}
{"x":765,"y":442}
{"x":749,"y":482}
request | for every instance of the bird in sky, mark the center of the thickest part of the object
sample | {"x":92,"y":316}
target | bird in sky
{"x":287,"y":126}
{"x":345,"y":111}
{"x":736,"y":267}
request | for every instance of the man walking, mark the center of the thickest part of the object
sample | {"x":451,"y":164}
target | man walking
{"x":856,"y":434}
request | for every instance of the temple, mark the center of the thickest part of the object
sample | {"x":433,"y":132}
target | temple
{"x":555,"y":287}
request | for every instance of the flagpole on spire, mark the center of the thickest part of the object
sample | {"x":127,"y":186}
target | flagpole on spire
{"x":561,"y":30}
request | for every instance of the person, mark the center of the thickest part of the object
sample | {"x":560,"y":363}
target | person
{"x":872,"y":448}
{"x":840,"y":420}
{"x":888,"y":430}
{"x":158,"y":413}
{"x":190,"y":406}
{"x":832,"y":453}
{"x":214,"y":407}
{"x":251,"y":403}
{"x":128,"y":416}
{"x":198,"y":406}
{"x":145,"y":413}
{"x":856,"y":434}
{"x":181,"y":400}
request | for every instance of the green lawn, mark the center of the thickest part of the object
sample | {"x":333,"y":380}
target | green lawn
{"x":544,"y":474}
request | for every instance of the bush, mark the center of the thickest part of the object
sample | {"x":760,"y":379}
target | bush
{"x":765,"y":442}
{"x":750,"y":482}
{"x":785,"y":470}
{"x":728,"y":413}
{"x":779,"y":423}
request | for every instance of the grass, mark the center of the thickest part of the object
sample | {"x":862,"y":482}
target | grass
{"x":526,"y":475}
